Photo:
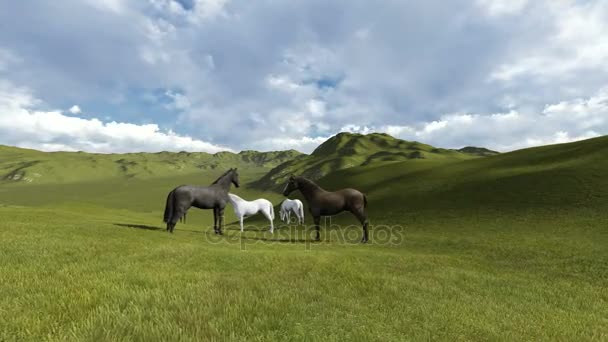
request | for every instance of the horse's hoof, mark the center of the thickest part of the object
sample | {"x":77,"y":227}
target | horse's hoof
{"x":363,"y":240}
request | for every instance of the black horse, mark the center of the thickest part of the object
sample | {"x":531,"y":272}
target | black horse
{"x":325,"y":203}
{"x":213,"y":197}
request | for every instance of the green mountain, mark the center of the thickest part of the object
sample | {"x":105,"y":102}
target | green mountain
{"x":31,"y":166}
{"x":478,"y":151}
{"x":563,"y":176}
{"x":346,"y":150}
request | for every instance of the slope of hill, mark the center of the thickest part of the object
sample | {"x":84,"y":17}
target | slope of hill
{"x":556,"y":176}
{"x":347,"y":150}
{"x":31,"y":166}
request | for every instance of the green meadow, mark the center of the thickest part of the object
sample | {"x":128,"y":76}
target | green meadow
{"x":464,"y":246}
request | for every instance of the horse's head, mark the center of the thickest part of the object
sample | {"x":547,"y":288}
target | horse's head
{"x":235,"y":178}
{"x":292,"y":185}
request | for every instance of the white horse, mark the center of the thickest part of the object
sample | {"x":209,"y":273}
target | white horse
{"x":292,"y":205}
{"x":243,"y":208}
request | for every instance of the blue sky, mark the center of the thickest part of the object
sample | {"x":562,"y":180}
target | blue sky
{"x":211,"y":75}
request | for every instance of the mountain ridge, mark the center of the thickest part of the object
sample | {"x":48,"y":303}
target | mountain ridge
{"x":345,"y":150}
{"x":33,"y":166}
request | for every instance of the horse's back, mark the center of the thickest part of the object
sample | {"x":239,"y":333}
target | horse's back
{"x":203,"y":197}
{"x":352,"y":197}
{"x":262,"y":202}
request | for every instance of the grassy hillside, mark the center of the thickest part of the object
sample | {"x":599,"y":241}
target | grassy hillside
{"x":30,"y":166}
{"x":478,"y":151}
{"x":559,"y":176}
{"x":508,"y":247}
{"x":347,"y":150}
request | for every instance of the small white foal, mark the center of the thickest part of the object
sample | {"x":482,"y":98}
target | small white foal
{"x":292,"y":205}
{"x":243,"y":208}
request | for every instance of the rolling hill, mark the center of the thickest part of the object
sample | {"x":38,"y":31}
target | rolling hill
{"x":572,"y":175}
{"x":30,"y":166}
{"x":346,"y":150}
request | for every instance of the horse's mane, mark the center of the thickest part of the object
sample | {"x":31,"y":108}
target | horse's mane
{"x":307,"y":181}
{"x":222,"y":176}
{"x":235,"y":196}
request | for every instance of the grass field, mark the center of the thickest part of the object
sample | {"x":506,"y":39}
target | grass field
{"x":508,"y":247}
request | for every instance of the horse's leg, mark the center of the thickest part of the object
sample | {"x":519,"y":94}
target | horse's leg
{"x":362,"y":217}
{"x":317,"y":228}
{"x":266,"y":214}
{"x":215,"y":210}
{"x":241,"y":219}
{"x":299,"y":216}
{"x":220,"y":213}
{"x":179,"y":212}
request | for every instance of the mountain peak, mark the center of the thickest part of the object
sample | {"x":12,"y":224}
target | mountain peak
{"x":478,"y":151}
{"x":346,"y":143}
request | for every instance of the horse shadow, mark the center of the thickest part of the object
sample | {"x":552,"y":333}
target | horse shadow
{"x":147,"y":227}
{"x":138,"y":226}
{"x":228,"y":236}
{"x":281,"y":240}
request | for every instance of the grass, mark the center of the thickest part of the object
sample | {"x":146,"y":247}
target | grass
{"x":509,"y":247}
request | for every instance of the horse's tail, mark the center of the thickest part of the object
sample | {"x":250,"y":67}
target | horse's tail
{"x":364,"y":201}
{"x":301,"y":209}
{"x":169,"y":208}
{"x":271,"y":211}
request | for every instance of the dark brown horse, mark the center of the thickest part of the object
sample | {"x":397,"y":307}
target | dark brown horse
{"x":214,"y":196}
{"x":326,"y":203}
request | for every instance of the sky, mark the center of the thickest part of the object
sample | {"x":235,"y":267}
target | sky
{"x":212,"y":75}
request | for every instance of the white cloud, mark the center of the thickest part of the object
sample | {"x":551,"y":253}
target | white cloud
{"x":303,"y":144}
{"x":356,"y":129}
{"x":20,"y":125}
{"x":579,"y":41}
{"x":502,"y":7}
{"x":75,"y":109}
{"x":115,"y":6}
{"x":282,"y":83}
{"x":205,"y":9}
{"x":316,"y":108}
{"x":566,"y":121}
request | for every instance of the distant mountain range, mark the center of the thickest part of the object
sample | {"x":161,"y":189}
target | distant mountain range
{"x":341,"y":151}
{"x":31,"y":166}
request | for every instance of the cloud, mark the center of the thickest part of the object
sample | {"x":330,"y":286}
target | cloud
{"x":577,"y":42}
{"x":75,"y":109}
{"x":179,"y":101}
{"x":502,"y":7}
{"x":23,"y":126}
{"x":275,"y":74}
{"x":566,"y":121}
{"x":303,"y":144}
